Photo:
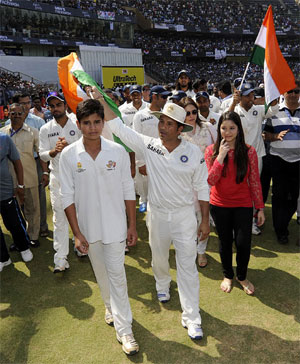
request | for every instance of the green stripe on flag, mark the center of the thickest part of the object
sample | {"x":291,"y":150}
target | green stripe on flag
{"x":258,"y":55}
{"x":86,"y":80}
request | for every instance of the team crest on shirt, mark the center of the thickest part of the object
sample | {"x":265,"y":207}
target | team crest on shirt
{"x":79,"y":167}
{"x":184,"y":158}
{"x":72,"y":132}
{"x":111,"y":165}
{"x":255,"y":112}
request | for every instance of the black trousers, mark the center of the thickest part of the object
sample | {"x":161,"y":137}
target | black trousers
{"x":285,"y":191}
{"x":15,"y":223}
{"x":237,"y":221}
{"x":266,"y":176}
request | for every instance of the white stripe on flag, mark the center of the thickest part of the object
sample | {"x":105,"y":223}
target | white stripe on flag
{"x":261,"y":39}
{"x":271,"y":89}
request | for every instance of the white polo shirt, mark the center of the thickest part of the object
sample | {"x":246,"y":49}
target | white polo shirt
{"x":49,"y":134}
{"x":252,"y":124}
{"x":144,"y":122}
{"x":211,"y":115}
{"x":98,"y":188}
{"x":172,"y":176}
{"x":129,"y":112}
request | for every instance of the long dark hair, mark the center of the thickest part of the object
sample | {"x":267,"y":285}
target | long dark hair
{"x":240,"y":150}
{"x":185,"y":101}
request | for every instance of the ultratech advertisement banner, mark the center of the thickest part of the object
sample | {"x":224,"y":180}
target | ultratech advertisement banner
{"x":120,"y":76}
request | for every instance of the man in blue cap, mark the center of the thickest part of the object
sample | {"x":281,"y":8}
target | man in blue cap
{"x":184,"y":83}
{"x":54,"y":137}
{"x":145,"y":122}
{"x":134,"y":106}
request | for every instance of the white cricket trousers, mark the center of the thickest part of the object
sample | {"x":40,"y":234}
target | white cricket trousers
{"x":108,"y":264}
{"x":179,"y":227}
{"x":60,"y":222}
{"x":202,"y":244}
{"x":141,"y":186}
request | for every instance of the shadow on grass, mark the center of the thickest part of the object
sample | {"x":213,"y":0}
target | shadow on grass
{"x":231,"y":341}
{"x":145,"y":285}
{"x":277,"y":289}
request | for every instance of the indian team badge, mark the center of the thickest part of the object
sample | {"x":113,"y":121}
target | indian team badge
{"x":72,"y":132}
{"x":111,"y":165}
{"x":255,"y":112}
{"x":184,"y":158}
{"x":79,"y":167}
{"x":170,"y":108}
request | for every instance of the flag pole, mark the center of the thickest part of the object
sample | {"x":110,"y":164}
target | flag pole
{"x":243,"y":79}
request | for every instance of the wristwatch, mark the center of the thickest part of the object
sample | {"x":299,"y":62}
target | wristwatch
{"x":21,"y":186}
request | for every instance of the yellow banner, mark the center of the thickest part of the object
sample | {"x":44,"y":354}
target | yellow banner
{"x":121,"y":76}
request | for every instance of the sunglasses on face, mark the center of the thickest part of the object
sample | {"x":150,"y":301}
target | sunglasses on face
{"x":294,"y":91}
{"x":18,"y":113}
{"x":194,"y":112}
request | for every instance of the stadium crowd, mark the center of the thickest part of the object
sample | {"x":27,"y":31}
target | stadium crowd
{"x":194,"y":12}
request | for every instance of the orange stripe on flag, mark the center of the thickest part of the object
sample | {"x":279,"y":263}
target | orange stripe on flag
{"x":67,"y":81}
{"x":279,"y":69}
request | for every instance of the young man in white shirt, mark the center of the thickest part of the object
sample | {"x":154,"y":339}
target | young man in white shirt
{"x":54,"y":137}
{"x":97,"y":190}
{"x":175,"y":168}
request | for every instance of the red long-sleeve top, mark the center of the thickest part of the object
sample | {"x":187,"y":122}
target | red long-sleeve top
{"x":225,"y":192}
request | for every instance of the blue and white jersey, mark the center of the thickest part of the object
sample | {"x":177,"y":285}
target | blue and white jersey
{"x":289,"y":148}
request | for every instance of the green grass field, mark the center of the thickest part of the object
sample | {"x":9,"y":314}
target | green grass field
{"x":47,"y":318}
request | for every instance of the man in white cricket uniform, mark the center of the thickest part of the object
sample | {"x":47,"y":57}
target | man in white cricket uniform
{"x":134,"y":106}
{"x":202,"y":99}
{"x":146,"y":123}
{"x":174,"y":167}
{"x":54,"y":137}
{"x":96,"y":186}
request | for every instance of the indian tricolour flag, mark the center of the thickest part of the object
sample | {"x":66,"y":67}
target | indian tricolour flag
{"x":74,"y":80}
{"x":278,"y":77}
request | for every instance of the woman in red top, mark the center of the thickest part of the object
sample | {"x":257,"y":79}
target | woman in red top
{"x":234,"y":176}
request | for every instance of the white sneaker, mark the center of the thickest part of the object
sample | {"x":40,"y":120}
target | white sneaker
{"x":61,"y":266}
{"x":163,"y":297}
{"x":4,"y":264}
{"x":195,"y":331}
{"x":27,"y":256}
{"x":255,"y":229}
{"x":108,"y":317}
{"x":129,"y":345}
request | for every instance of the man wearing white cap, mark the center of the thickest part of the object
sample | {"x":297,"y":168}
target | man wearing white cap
{"x":54,"y":137}
{"x":175,"y":168}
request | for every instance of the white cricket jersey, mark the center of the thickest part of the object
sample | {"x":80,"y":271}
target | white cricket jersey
{"x":215,"y":104}
{"x":252,"y":124}
{"x":98,"y":188}
{"x":129,"y":112}
{"x":172,"y":176}
{"x":49,"y":134}
{"x":225,"y":103}
{"x":212,"y":115}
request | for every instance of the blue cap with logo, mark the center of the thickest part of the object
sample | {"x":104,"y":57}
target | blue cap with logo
{"x":182,"y":72}
{"x":135,"y":88}
{"x":246,"y":89}
{"x":202,"y":94}
{"x":178,"y":95}
{"x":55,"y":95}
{"x":160,"y":90}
